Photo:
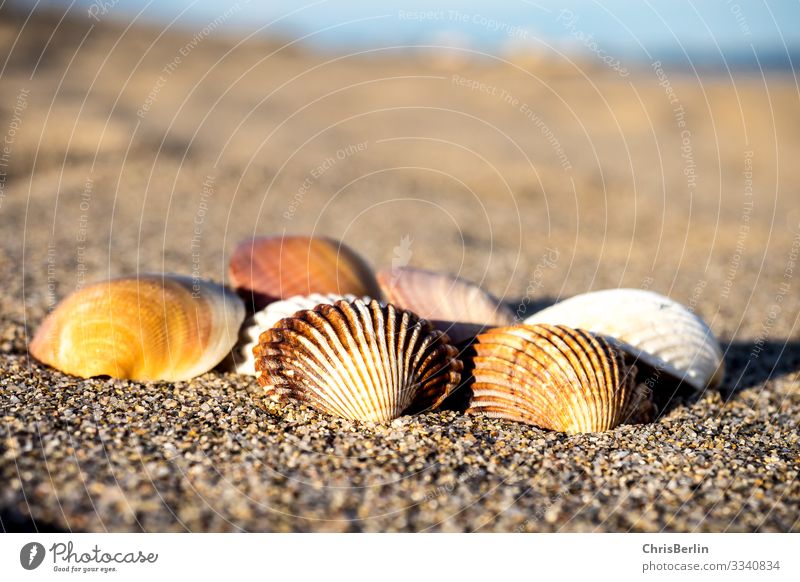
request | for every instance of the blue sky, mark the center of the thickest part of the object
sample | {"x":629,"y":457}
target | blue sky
{"x":633,"y":29}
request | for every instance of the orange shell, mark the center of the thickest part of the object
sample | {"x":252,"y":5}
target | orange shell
{"x":152,"y":327}
{"x":557,"y":378}
{"x":266,"y":269}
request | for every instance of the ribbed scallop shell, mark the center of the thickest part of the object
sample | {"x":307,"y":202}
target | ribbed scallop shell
{"x":556,"y":378}
{"x":154,"y":327}
{"x":458,"y":307}
{"x":358,"y":361}
{"x":264,"y":319}
{"x":267,"y":269}
{"x":659,"y":332}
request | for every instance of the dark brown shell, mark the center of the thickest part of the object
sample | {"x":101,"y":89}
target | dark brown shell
{"x":557,"y":378}
{"x":358,"y":361}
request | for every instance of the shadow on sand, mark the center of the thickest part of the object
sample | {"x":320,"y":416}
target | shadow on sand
{"x":11,"y":521}
{"x":749,"y":363}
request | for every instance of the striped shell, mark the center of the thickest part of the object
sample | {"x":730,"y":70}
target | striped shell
{"x":154,"y":327}
{"x":267,"y":269}
{"x":358,"y":361}
{"x":264,"y":319}
{"x":458,"y":307}
{"x":660,"y":333}
{"x":555,"y":377}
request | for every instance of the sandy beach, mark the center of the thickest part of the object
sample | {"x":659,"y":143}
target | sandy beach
{"x":132,"y":149}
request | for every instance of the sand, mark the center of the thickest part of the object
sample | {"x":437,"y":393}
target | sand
{"x":538,"y":178}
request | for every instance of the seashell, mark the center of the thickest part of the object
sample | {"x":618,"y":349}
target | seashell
{"x":555,"y":377}
{"x":154,"y":327}
{"x":266,"y":269}
{"x":264,"y":319}
{"x":458,"y":307}
{"x":658,"y":332}
{"x":358,"y":360}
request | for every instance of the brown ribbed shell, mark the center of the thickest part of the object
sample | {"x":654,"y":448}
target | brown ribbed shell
{"x":555,"y":377}
{"x":267,"y":269}
{"x":358,"y":361}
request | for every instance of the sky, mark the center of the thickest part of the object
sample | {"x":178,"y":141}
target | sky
{"x":704,"y":32}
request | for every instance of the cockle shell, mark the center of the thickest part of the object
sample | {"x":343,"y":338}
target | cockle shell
{"x":264,"y":319}
{"x":458,"y":307}
{"x":154,"y":327}
{"x":555,"y":377}
{"x":266,"y":269}
{"x":659,"y":332}
{"x":357,"y":360}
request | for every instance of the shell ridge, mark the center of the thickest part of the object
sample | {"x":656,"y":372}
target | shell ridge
{"x":507,"y":407}
{"x":581,"y":388}
{"x":529,"y":400}
{"x":337,"y":318}
{"x":392,"y":352}
{"x":411,"y":380}
{"x":323,"y":343}
{"x":599,"y":354}
{"x":383,"y":361}
{"x":362,"y":330}
{"x":524,"y":359}
{"x":437,"y":377}
{"x":616,"y":388}
{"x":404,"y":343}
{"x":608,"y":375}
{"x":401,"y":346}
{"x":522,"y":362}
{"x":365,"y":328}
{"x":566,"y":381}
{"x":269,"y":317}
{"x":424,"y":355}
{"x":591,"y":363}
{"x":306,"y":356}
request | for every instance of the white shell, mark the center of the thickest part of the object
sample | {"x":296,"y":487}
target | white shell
{"x":660,"y":332}
{"x":263,"y":320}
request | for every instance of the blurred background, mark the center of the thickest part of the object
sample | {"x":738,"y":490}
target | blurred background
{"x":539,"y":148}
{"x":699,"y":34}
